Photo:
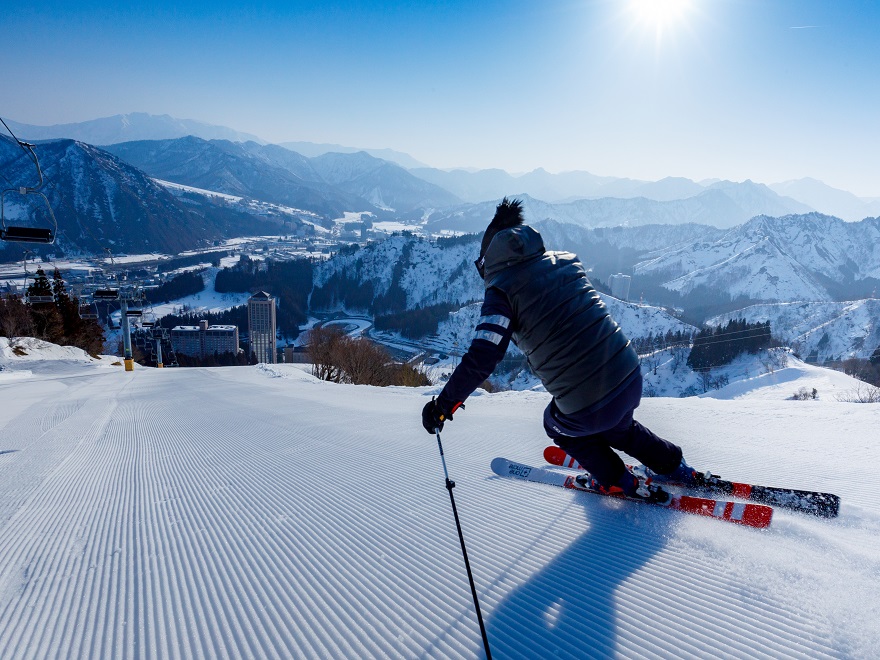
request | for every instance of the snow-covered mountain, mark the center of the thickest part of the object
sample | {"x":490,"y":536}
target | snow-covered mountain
{"x":638,"y":322}
{"x":722,"y":205}
{"x":809,"y":257}
{"x":259,"y":512}
{"x":329,"y":185}
{"x":797,"y":257}
{"x":101,"y":202}
{"x":819,"y":331}
{"x":266,"y":173}
{"x":129,"y":127}
{"x":418,"y":273}
{"x":609,"y":250}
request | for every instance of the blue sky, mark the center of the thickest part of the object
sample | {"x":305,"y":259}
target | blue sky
{"x":769,"y":90}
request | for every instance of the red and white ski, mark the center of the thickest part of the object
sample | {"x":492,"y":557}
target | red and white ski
{"x":740,"y":513}
{"x":824,"y":505}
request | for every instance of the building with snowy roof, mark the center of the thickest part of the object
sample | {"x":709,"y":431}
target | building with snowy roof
{"x":203,"y":340}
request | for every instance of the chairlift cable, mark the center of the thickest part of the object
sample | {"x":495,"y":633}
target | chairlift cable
{"x":20,"y":144}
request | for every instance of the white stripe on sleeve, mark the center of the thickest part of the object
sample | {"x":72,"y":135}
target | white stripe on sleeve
{"x":488,"y":335}
{"x":497,"y":319}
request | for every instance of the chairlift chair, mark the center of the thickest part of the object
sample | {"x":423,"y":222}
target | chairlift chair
{"x":106,"y":294}
{"x":134,"y":313}
{"x":88,"y":312}
{"x":26,"y":234}
{"x":35,"y":300}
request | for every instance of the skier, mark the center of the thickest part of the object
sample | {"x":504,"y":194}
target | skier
{"x":545,"y":303}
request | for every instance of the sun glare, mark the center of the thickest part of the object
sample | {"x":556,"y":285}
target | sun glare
{"x":659,"y":14}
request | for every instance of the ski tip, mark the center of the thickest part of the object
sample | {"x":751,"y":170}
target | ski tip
{"x":554,"y":455}
{"x":499,"y":466}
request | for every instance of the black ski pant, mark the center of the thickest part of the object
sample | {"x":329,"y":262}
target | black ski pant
{"x":591,"y":438}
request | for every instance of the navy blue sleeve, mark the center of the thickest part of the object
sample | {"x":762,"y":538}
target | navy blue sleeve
{"x":488,"y":347}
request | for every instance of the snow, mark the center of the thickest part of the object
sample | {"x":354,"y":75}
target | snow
{"x":199,"y":191}
{"x":209,"y":300}
{"x":827,"y":330}
{"x":783,"y":383}
{"x":30,"y":349}
{"x":789,"y":259}
{"x":259,"y":512}
{"x":254,"y":206}
{"x":353,"y":327}
{"x":136,"y":258}
{"x":390,"y":226}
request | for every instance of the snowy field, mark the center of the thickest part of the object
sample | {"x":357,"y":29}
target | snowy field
{"x":254,"y":512}
{"x":209,"y":300}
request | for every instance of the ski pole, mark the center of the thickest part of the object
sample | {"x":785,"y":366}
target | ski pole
{"x":449,"y":486}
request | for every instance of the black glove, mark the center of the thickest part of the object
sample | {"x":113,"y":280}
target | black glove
{"x":433,"y":415}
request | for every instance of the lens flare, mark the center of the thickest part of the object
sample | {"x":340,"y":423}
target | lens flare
{"x":660,"y":13}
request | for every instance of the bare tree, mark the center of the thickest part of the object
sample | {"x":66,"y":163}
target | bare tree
{"x":342,"y":359}
{"x":15,"y":320}
{"x":862,"y":393}
{"x":363,"y":363}
{"x":679,"y":357}
{"x":323,"y":350}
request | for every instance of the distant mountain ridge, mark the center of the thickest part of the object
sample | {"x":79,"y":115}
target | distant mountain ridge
{"x":136,"y":126}
{"x":471,"y":186}
{"x":384,"y":184}
{"x":329,"y":185}
{"x":313,"y":149}
{"x":722,"y":205}
{"x":826,"y":199}
{"x":129,"y":127}
{"x":244,"y":169}
{"x":482,"y":185}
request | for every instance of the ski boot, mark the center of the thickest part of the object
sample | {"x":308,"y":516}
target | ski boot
{"x":689,"y":476}
{"x":630,"y":486}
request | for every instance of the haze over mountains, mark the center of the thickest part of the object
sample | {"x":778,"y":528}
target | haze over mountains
{"x":706,"y":249}
{"x":799,"y":196}
{"x":128,"y":127}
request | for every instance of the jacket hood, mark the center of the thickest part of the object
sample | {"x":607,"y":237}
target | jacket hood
{"x":511,"y":246}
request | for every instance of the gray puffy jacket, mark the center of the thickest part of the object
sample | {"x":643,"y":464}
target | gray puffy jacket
{"x":560,"y":323}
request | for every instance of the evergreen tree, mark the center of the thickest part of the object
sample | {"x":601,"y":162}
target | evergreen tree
{"x":48,"y":324}
{"x":714,"y":347}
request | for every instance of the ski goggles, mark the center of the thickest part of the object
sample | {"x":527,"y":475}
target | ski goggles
{"x":481,"y":267}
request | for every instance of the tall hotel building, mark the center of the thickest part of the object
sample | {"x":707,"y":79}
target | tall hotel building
{"x":261,"y":327}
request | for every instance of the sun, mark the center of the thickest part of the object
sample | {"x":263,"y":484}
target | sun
{"x":660,"y":14}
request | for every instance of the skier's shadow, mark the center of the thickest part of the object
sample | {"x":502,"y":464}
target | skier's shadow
{"x":569,"y":607}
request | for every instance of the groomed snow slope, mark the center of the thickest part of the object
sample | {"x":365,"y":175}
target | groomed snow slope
{"x":256,"y":512}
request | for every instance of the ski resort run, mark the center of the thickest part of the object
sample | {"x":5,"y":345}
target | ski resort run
{"x":286,"y":517}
